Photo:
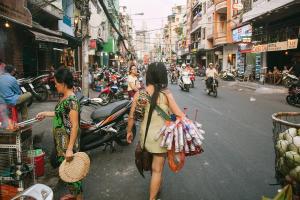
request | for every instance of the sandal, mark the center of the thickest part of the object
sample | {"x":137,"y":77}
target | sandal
{"x":68,"y":197}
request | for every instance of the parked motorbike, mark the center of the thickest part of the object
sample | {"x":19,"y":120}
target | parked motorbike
{"x":114,"y":90}
{"x":227,"y":76}
{"x":289,"y":79}
{"x":293,"y":98}
{"x":212,"y":87}
{"x":107,"y":126}
{"x":39,"y":92}
{"x":185,"y":81}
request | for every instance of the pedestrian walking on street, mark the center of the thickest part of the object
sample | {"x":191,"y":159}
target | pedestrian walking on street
{"x":65,"y":125}
{"x":133,"y":82}
{"x":156,"y":88}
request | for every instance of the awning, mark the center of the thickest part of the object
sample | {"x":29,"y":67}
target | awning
{"x":47,"y":38}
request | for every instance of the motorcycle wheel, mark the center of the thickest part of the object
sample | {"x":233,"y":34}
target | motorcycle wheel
{"x":105,"y":99}
{"x":289,"y":100}
{"x":122,"y":135}
{"x":215,"y":93}
{"x":42,"y":92}
{"x":187,"y":88}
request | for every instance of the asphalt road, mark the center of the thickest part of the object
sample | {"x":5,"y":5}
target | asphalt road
{"x":238,"y":158}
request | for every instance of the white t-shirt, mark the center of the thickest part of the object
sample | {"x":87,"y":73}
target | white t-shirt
{"x":211,"y":72}
{"x":134,"y":80}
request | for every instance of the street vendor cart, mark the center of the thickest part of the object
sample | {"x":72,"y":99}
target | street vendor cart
{"x":16,"y":161}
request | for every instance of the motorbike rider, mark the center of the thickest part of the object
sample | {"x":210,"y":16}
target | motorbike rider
{"x":211,"y":73}
{"x":183,"y":69}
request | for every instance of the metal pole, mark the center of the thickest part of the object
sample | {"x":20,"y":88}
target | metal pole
{"x":85,"y":47}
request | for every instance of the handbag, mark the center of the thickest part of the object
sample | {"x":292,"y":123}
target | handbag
{"x":143,"y":158}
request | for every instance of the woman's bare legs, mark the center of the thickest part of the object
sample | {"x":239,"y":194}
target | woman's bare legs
{"x":156,"y":178}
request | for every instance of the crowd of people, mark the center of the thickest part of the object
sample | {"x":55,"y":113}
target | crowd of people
{"x":276,"y":75}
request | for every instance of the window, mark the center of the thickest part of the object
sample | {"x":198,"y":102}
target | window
{"x":203,"y":33}
{"x":204,"y":7}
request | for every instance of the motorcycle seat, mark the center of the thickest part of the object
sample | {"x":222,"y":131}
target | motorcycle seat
{"x":103,"y":112}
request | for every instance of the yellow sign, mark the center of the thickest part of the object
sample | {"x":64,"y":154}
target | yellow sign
{"x":277,"y":46}
{"x":292,"y":44}
{"x":260,"y":48}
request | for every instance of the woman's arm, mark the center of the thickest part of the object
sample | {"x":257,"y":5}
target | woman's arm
{"x":131,"y":118}
{"x":73,"y":135}
{"x":172,"y":104}
{"x":43,"y":115}
{"x":133,"y":86}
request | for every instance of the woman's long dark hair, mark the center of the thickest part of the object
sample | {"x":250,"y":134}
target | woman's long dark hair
{"x":157,"y":76}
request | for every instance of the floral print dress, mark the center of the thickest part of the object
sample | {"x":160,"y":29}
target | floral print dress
{"x":61,"y":133}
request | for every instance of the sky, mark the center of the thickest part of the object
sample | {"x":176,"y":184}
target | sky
{"x":155,"y":12}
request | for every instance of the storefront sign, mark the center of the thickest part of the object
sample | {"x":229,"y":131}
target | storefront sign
{"x":278,"y":46}
{"x":245,"y":48}
{"x":292,"y":44}
{"x":242,"y":32}
{"x":14,"y":10}
{"x":260,"y":48}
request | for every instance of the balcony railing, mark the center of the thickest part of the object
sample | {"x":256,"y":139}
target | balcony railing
{"x":221,"y":5}
{"x":196,"y":23}
{"x":220,"y":38}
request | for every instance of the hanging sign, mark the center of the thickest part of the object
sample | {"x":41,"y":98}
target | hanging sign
{"x":237,"y":6}
{"x":292,"y":44}
{"x":260,"y":48}
{"x":277,"y":46}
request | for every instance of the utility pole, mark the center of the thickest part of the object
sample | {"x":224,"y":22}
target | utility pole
{"x":85,"y":14}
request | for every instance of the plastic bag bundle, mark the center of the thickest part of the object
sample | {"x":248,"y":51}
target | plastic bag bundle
{"x":182,"y":135}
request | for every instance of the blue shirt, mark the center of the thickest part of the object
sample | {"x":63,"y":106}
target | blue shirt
{"x":9,"y":89}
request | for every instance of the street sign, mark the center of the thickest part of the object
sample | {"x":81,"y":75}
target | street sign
{"x":237,"y":6}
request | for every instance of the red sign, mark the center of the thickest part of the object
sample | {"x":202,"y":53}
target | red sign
{"x":93,"y":44}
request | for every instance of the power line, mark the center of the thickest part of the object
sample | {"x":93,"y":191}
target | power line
{"x":112,"y":24}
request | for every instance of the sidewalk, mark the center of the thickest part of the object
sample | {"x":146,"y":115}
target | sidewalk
{"x":259,"y":88}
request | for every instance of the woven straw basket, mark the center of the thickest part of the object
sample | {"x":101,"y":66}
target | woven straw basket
{"x":76,"y":169}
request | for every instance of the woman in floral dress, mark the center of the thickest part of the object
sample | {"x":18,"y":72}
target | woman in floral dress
{"x":65,"y":125}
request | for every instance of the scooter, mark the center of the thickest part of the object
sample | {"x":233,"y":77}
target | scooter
{"x":212,"y":87}
{"x":293,"y":98}
{"x":107,"y":126}
{"x":227,"y":76}
{"x":39,"y":92}
{"x":185,"y":81}
{"x":114,"y":90}
{"x":289,"y":80}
